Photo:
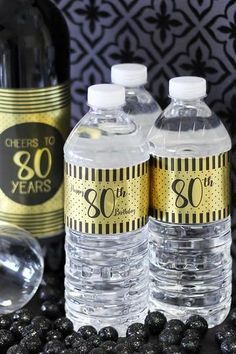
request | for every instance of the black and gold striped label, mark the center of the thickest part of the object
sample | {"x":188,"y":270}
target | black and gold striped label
{"x":33,"y":127}
{"x":106,"y":201}
{"x":34,"y":101}
{"x":190,"y":190}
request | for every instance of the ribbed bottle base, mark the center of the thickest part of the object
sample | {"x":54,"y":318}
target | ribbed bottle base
{"x":214,"y":315}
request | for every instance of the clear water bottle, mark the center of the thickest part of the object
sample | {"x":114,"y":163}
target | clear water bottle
{"x":106,"y":214}
{"x":190,"y":233}
{"x":140,"y":105}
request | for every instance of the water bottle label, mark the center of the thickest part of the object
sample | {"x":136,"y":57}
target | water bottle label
{"x":190,"y":190}
{"x":106,"y":201}
{"x":33,"y":127}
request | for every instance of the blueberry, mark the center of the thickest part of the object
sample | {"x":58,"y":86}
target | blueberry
{"x":50,"y":310}
{"x":95,"y":340}
{"x":108,"y":333}
{"x":135,"y":343}
{"x":78,"y":341}
{"x":53,"y":347}
{"x":191,"y":345}
{"x":138,"y":330}
{"x":7,"y":340}
{"x":173,"y":349}
{"x":97,"y":351}
{"x":176,"y":325}
{"x":32,"y":343}
{"x":84,"y":347}
{"x":42,"y":323}
{"x":23,"y":315}
{"x":148,"y":349}
{"x":192,"y":333}
{"x":232,"y":317}
{"x":71,"y":338}
{"x":170,"y":337}
{"x":108,"y":346}
{"x":87,"y":331}
{"x":64,"y":325}
{"x":197,"y":322}
{"x":54,"y":334}
{"x":5,"y":321}
{"x":122,"y":348}
{"x":155,"y":321}
{"x":17,"y":349}
{"x":225,"y":332}
{"x":31,"y":330}
{"x":17,"y":329}
{"x":228,"y":346}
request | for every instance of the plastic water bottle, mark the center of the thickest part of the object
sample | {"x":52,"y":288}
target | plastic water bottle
{"x":140,"y":105}
{"x":190,"y":261}
{"x":106,"y":214}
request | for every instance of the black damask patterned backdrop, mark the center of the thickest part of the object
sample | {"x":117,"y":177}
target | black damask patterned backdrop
{"x":171,"y":37}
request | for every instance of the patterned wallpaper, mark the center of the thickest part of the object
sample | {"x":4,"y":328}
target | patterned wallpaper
{"x":171,"y":37}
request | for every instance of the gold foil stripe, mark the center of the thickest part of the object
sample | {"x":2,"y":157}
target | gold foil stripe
{"x":186,"y":218}
{"x":41,"y":215}
{"x":46,"y":231}
{"x":36,"y":91}
{"x":41,"y":227}
{"x":108,"y":175}
{"x":30,"y":96}
{"x":191,"y":164}
{"x":34,"y":101}
{"x":44,"y":103}
{"x":33,"y":111}
{"x":36,"y":225}
{"x":106,"y":229}
{"x":35,"y":221}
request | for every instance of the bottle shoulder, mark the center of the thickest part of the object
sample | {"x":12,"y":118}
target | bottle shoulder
{"x":33,"y":36}
{"x":140,"y":101}
{"x":106,"y":143}
{"x":194,"y":131}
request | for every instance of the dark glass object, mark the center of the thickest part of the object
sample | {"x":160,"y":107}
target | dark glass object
{"x":34,"y":53}
{"x":34,"y":44}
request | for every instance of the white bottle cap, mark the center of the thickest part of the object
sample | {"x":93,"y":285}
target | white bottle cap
{"x":187,"y":87}
{"x":129,"y":75}
{"x":106,"y":96}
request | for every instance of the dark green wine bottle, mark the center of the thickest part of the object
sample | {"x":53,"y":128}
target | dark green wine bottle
{"x":34,"y":119}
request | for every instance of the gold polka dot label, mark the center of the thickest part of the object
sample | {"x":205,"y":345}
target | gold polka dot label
{"x":106,"y":201}
{"x":33,"y":127}
{"x":190,"y":190}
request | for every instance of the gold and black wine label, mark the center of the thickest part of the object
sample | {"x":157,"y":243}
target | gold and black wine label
{"x":190,"y":190}
{"x":34,"y":124}
{"x":106,"y":201}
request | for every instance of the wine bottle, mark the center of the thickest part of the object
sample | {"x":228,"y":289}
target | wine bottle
{"x":34,"y":119}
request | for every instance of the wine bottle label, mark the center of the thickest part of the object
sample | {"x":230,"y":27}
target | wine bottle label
{"x":106,"y":201}
{"x":190,"y":190}
{"x":33,"y":127}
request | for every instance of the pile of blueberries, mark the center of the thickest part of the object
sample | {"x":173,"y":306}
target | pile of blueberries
{"x":41,"y":335}
{"x":50,"y":332}
{"x":226,"y":334}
